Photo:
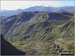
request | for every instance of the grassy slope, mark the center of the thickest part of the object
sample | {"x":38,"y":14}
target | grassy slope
{"x":47,"y":46}
{"x":64,"y":30}
{"x":68,"y":32}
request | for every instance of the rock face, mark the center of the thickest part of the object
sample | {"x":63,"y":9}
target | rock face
{"x":8,"y":49}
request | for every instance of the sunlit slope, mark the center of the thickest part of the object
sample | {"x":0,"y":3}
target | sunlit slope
{"x":65,"y":30}
{"x":45,"y":30}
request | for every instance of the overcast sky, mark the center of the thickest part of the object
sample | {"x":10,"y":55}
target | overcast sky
{"x":13,"y":5}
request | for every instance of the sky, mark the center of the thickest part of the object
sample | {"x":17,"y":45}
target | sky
{"x":14,"y":5}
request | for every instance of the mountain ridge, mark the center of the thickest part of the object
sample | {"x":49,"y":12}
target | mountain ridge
{"x":8,"y":13}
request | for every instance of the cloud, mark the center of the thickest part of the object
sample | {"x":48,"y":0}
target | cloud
{"x":43,"y":3}
{"x":13,"y":5}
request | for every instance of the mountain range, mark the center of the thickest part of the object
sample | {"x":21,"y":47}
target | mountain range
{"x":7,"y":13}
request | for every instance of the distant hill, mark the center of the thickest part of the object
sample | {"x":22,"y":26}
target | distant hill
{"x":7,"y":13}
{"x":39,"y":9}
{"x":50,"y":9}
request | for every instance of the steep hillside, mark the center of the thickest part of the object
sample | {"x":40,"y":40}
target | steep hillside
{"x":39,"y":33}
{"x":32,"y":24}
{"x":46,"y":39}
{"x":65,"y":31}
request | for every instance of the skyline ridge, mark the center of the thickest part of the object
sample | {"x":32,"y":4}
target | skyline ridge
{"x":36,"y":6}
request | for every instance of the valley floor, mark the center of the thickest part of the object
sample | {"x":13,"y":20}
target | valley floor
{"x":44,"y":48}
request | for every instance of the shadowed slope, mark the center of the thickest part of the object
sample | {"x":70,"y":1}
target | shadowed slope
{"x":8,"y":49}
